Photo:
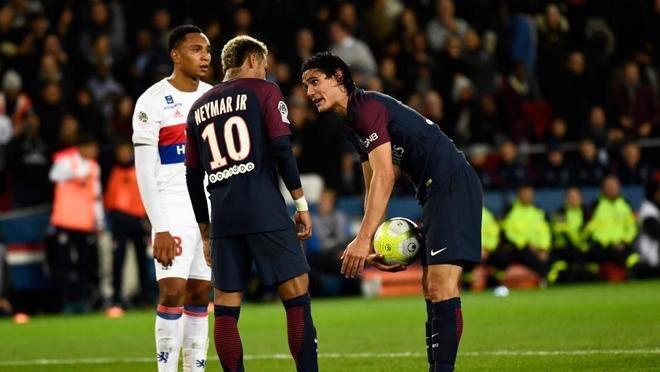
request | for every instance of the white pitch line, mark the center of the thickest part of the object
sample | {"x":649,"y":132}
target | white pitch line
{"x":41,"y":362}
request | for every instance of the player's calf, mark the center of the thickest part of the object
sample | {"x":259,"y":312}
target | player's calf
{"x":301,"y":333}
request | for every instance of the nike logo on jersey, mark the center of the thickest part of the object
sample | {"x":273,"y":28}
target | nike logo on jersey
{"x":433,"y":253}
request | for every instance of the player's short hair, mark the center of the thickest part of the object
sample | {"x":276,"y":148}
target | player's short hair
{"x":238,"y":49}
{"x":178,"y":34}
{"x":330,"y":64}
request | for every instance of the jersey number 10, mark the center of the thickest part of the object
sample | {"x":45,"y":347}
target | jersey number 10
{"x":235,"y":153}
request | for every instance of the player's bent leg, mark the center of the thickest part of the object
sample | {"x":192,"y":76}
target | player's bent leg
{"x":169,"y":323}
{"x":300,"y":325}
{"x":228,"y":344}
{"x":442,"y":285}
{"x":195,"y":325}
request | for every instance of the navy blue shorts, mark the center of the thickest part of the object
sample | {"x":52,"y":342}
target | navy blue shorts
{"x":278,"y":256}
{"x":451,"y":218}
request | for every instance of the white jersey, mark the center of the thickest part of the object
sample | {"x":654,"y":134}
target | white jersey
{"x":159,"y":120}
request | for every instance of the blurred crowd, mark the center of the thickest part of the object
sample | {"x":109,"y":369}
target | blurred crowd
{"x":549,"y":94}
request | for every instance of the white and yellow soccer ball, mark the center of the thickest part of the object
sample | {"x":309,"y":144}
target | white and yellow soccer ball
{"x":398,"y":240}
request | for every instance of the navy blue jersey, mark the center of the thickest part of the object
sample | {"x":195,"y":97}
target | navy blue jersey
{"x":229,"y":132}
{"x":424,"y":153}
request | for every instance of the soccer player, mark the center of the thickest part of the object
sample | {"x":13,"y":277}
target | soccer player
{"x":392,"y":138}
{"x":238,"y":134}
{"x":159,"y":137}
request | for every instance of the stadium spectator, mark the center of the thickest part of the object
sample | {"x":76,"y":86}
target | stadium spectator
{"x":50,"y":109}
{"x":379,"y":20}
{"x":490,"y":240}
{"x":569,"y":252}
{"x":347,"y":15}
{"x":305,"y":44}
{"x":556,"y":133}
{"x":489,"y":127}
{"x":10,"y":35}
{"x":612,"y":227}
{"x":526,"y":235}
{"x":554,"y":172}
{"x":648,"y":244}
{"x":388,"y":73}
{"x":575,"y":95}
{"x":91,"y":120}
{"x":587,"y":169}
{"x":30,"y":164}
{"x":553,"y":42}
{"x":634,"y":103}
{"x":331,"y":234}
{"x":478,"y":156}
{"x":630,"y":169}
{"x":104,"y":19}
{"x":76,"y":217}
{"x":515,"y":90}
{"x":511,"y":172}
{"x":150,"y":63}
{"x":444,"y":24}
{"x":448,"y":62}
{"x":127,"y":219}
{"x":121,"y":124}
{"x":462,"y":113}
{"x":354,"y":51}
{"x":14,"y":103}
{"x":479,"y":63}
{"x":105,"y":89}
{"x":434,"y":109}
{"x":161,"y":23}
{"x":600,"y":130}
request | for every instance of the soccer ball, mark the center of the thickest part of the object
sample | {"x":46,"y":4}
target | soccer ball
{"x":398,"y":240}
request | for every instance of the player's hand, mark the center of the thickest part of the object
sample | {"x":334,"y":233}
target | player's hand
{"x":303,"y":225}
{"x":377,"y":260}
{"x":354,"y":257}
{"x":164,"y":248}
{"x":206,"y":244}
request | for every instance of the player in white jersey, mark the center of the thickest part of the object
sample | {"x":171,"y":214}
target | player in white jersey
{"x":159,"y":136}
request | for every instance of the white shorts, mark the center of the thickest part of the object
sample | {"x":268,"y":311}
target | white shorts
{"x":189,"y":262}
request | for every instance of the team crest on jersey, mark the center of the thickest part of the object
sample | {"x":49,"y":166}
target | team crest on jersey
{"x":142,"y":116}
{"x":284,"y":111}
{"x":169,"y":100}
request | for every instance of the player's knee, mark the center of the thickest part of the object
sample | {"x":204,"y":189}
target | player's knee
{"x":438,"y":291}
{"x":293,"y":288}
{"x":227,"y":298}
{"x":198,"y":294}
{"x":171,"y":297}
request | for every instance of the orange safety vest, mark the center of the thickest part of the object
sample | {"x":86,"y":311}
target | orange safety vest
{"x":75,"y":199}
{"x":122,"y":193}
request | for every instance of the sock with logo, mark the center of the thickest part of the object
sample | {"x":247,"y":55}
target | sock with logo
{"x":429,"y":333}
{"x":301,"y":333}
{"x":195,"y":338}
{"x":169,"y":333}
{"x":446,"y":327}
{"x":227,"y":339}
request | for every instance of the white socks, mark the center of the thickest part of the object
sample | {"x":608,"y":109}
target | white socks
{"x":195,"y":338}
{"x":169,"y":334}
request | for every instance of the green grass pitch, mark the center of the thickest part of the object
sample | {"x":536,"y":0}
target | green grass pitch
{"x":596,"y":327}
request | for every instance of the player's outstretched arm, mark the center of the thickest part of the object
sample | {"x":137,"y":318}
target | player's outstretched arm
{"x":380,"y":189}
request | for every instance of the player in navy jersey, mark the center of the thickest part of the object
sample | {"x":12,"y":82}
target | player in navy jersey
{"x":392,"y":138}
{"x":238,"y":134}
